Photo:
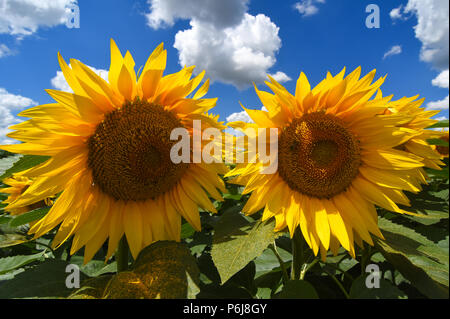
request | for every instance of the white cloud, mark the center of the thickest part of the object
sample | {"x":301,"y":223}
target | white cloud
{"x":281,"y":77}
{"x":441,"y":80}
{"x":24,"y":17}
{"x":308,"y":7}
{"x":432,"y":30}
{"x":220,"y":13}
{"x":60,"y":83}
{"x":396,"y":13}
{"x":439,"y":105}
{"x":394,"y":50}
{"x":242,"y":116}
{"x":239,"y":116}
{"x":10,"y":103}
{"x":233,"y":46}
{"x":4,"y":50}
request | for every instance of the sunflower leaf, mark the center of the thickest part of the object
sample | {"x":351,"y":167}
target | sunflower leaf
{"x":236,"y":242}
{"x":6,"y":164}
{"x":439,"y":124}
{"x":421,"y":261}
{"x":45,"y":280}
{"x":8,"y":264}
{"x":19,"y":164}
{"x":29,"y":217}
{"x":386,"y":290}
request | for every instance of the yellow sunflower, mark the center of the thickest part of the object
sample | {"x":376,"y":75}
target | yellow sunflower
{"x":443,"y":150}
{"x":336,"y":160}
{"x":420,"y":119}
{"x":18,"y":184}
{"x":110,"y":145}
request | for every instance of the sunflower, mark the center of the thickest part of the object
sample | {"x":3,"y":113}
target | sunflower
{"x":336,"y":160}
{"x":420,"y":119}
{"x":110,"y":144}
{"x":442,"y":149}
{"x":17,"y":185}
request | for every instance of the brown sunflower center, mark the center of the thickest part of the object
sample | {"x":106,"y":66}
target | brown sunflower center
{"x":129,"y":153}
{"x":318,"y":156}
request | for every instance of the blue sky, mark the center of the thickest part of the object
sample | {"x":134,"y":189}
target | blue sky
{"x":313,"y":36}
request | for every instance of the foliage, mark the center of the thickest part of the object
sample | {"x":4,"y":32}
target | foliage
{"x":235,"y":256}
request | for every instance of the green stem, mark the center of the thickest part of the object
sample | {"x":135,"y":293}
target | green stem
{"x":273,"y":247}
{"x":338,"y":283}
{"x":307,"y":267}
{"x":366,"y":254}
{"x":298,"y":258}
{"x":122,"y":254}
{"x":350,"y":277}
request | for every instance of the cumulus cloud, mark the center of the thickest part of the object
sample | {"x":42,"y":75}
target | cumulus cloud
{"x":432,"y":28}
{"x":24,"y":17}
{"x":396,"y":13}
{"x":242,"y":116}
{"x":441,"y":80}
{"x":239,"y":116}
{"x":60,"y":83}
{"x":308,"y":7}
{"x":281,"y":77}
{"x":438,"y":105}
{"x":233,"y":46}
{"x":9,"y":104}
{"x":220,"y":13}
{"x":394,"y":50}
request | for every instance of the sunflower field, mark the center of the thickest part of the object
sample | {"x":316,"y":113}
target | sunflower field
{"x":94,"y":206}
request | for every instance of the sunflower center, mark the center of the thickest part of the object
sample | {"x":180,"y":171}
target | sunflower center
{"x":129,"y":153}
{"x":318,"y":156}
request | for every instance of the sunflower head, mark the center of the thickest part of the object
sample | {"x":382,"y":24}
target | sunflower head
{"x":110,"y":145}
{"x":419,"y":119}
{"x":441,"y":149}
{"x":338,"y":157}
{"x":17,"y":185}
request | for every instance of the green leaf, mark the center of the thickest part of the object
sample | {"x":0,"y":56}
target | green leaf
{"x":421,"y":261}
{"x":439,"y":124}
{"x":45,"y":280}
{"x":29,"y":217}
{"x":193,"y":288}
{"x":297,"y":289}
{"x":5,"y":219}
{"x":94,"y":268}
{"x":268,"y":262}
{"x":386,"y":290}
{"x":437,"y":141}
{"x":236,"y":242}
{"x":431,"y":203}
{"x":187,"y":231}
{"x":12,"y":239}
{"x":21,"y":163}
{"x":8,"y":264}
{"x":6,"y":164}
